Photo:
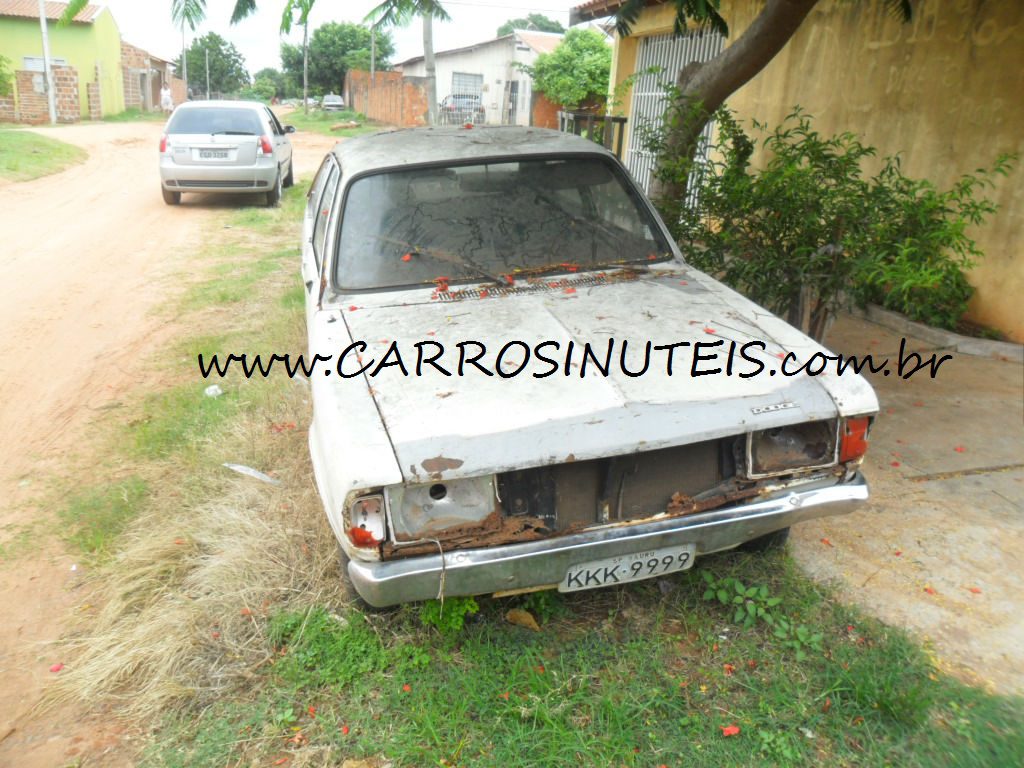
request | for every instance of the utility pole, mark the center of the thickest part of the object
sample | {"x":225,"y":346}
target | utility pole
{"x":428,"y":60}
{"x":51,"y":97}
{"x":184,"y":60}
{"x":207,"y":74}
{"x":373,"y":51}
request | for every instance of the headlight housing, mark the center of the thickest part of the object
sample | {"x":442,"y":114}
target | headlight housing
{"x":796,"y":447}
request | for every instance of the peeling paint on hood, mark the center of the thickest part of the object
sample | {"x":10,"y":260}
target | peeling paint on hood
{"x":449,"y":427}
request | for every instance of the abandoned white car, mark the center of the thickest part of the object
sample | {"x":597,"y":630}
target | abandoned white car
{"x":520,"y":384}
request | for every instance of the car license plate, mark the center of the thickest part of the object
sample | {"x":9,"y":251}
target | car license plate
{"x":213,"y":154}
{"x":626,"y":568}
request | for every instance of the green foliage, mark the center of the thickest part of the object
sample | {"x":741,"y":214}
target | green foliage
{"x":533,"y":21}
{"x":26,"y":155}
{"x":323,"y":649}
{"x":227,"y":66}
{"x":284,"y":86}
{"x":263,"y":89}
{"x":448,"y":616}
{"x":334,"y":49}
{"x":6,"y":77}
{"x":545,"y":604}
{"x":577,"y":70}
{"x":808,"y":230}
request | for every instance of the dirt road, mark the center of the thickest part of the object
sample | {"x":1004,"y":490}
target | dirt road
{"x":87,"y":256}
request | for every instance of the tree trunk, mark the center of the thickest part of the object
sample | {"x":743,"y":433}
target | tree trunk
{"x":703,"y":88}
{"x":428,"y":60}
{"x":305,"y":67}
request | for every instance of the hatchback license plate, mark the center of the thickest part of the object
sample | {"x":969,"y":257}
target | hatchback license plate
{"x":626,"y":568}
{"x":213,"y":154}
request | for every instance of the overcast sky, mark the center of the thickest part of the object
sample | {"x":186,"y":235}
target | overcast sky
{"x":147,"y":24}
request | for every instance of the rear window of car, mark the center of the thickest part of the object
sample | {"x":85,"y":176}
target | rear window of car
{"x":475,"y":222}
{"x":332,"y":99}
{"x":215,"y":120}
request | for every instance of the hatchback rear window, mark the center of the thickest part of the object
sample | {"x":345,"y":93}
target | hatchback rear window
{"x":215,"y":120}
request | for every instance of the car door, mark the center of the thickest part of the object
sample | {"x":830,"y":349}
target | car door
{"x":282,"y":145}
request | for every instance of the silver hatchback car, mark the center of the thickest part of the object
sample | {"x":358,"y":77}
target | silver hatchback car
{"x":225,"y":146}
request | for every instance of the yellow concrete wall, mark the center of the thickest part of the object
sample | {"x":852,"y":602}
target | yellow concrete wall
{"x":945,"y":91}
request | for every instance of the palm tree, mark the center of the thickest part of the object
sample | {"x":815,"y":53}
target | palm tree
{"x":303,"y":7}
{"x":396,"y":12}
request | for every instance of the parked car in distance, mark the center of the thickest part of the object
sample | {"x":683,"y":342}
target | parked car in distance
{"x":458,"y":110}
{"x":332,"y":103}
{"x":483,"y":428}
{"x":225,"y":146}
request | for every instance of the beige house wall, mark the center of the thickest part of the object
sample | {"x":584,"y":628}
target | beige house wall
{"x":945,"y":91}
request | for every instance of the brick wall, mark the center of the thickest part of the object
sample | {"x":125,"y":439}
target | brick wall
{"x":32,"y":103}
{"x":7,"y":113}
{"x":177,"y":90}
{"x":65,"y":85}
{"x":95,"y":107}
{"x":391,"y":98}
{"x":543,"y":112}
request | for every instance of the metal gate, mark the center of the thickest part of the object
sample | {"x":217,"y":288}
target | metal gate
{"x":668,"y":54}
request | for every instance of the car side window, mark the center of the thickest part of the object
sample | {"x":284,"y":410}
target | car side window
{"x":275,"y":126}
{"x":323,"y":213}
{"x":313,"y":196}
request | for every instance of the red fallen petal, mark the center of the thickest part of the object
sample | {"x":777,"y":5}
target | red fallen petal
{"x":281,"y":761}
{"x":714,"y":647}
{"x":898,"y":552}
{"x":897,"y":454}
{"x":406,"y":687}
{"x":894,"y":463}
{"x":484,"y":293}
{"x":729,"y":730}
{"x":215,"y":635}
{"x":890,"y":412}
{"x":652,"y":256}
{"x":709,"y":330}
{"x":850,"y":627}
{"x":57,"y":667}
{"x":312,"y":710}
{"x":917,"y":403}
{"x":930,"y":591}
{"x":179,"y":541}
{"x":728,"y":669}
{"x":974,"y":590}
{"x":827,"y":543}
{"x":683,"y":282}
{"x":752,"y":664}
{"x":959,"y":448}
{"x":780,"y":355}
{"x":503,"y":695}
{"x":353,"y":308}
{"x":467,"y":126}
{"x":407,"y":257}
{"x":569,"y":290}
{"x":245,"y":612}
{"x":540,"y":668}
{"x":431,"y":333}
{"x":344,"y":730}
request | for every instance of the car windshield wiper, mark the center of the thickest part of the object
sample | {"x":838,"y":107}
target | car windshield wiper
{"x":232,"y":133}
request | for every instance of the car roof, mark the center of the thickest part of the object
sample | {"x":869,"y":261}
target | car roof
{"x":220,"y":103}
{"x":415,"y":146}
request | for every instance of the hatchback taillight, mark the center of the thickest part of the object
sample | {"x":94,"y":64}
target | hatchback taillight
{"x":266,"y":148}
{"x":163,"y":143}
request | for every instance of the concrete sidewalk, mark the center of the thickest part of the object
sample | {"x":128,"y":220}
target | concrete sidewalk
{"x":940,"y":547}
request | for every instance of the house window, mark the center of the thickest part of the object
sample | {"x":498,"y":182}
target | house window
{"x":35,"y":63}
{"x":464,"y":84}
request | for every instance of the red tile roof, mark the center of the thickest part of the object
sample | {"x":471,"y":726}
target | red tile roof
{"x":541,"y":42}
{"x":29,"y":9}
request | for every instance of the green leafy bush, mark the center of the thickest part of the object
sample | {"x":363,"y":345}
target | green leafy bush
{"x":808,"y":230}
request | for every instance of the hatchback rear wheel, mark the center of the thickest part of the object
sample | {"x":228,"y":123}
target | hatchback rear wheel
{"x":171,"y":198}
{"x":274,"y":195}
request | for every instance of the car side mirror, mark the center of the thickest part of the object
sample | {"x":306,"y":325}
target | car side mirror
{"x":289,"y":129}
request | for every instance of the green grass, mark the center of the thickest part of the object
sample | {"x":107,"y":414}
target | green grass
{"x":25,"y":155}
{"x":321,"y":122}
{"x":624,"y":677}
{"x":95,"y":518}
{"x":134,"y":115}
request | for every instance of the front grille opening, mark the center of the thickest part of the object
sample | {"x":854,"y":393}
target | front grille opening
{"x":621,"y":488}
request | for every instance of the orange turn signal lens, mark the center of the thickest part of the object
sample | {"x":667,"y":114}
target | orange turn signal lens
{"x":853,"y":443}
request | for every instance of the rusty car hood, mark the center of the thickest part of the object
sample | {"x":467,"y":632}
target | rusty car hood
{"x":448,"y":427}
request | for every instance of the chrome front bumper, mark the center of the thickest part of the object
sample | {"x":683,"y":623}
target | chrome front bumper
{"x":545,"y":563}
